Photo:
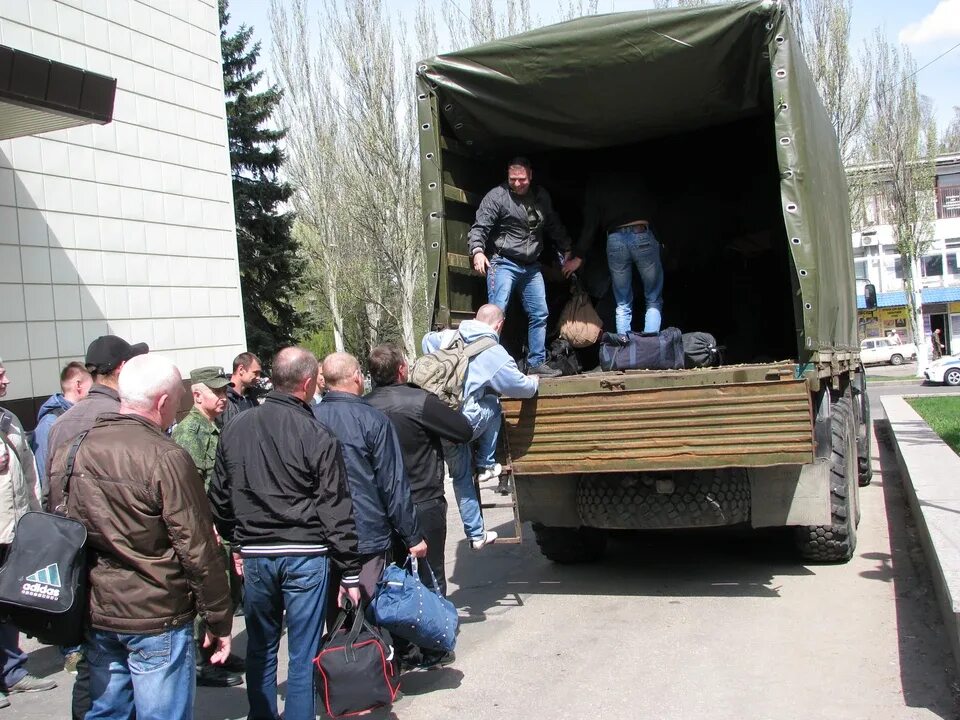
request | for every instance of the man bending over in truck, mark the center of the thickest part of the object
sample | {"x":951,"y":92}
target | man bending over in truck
{"x":490,"y":374}
{"x":510,"y":223}
{"x":619,"y":204}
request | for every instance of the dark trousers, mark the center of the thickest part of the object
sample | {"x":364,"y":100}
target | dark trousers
{"x":432,"y":516}
{"x":14,"y":659}
{"x":370,"y":573}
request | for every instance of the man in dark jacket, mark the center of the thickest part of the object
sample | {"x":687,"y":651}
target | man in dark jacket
{"x":378,"y":482}
{"x":279,"y":495}
{"x":246,"y":373}
{"x":75,"y":383}
{"x":155,"y":558}
{"x":510,"y":223}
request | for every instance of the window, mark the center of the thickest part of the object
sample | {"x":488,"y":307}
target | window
{"x":931,"y":265}
{"x":953,"y":267}
{"x":897,"y":268}
{"x":860,"y":268}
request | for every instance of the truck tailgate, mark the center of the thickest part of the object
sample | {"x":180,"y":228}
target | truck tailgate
{"x":746,"y":416}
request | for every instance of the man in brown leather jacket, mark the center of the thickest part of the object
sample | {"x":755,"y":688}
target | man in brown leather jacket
{"x":155,"y":557}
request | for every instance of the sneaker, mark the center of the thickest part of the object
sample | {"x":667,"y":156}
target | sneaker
{"x":489,"y":537}
{"x":70,"y":662}
{"x":30,"y":684}
{"x":544,"y":371}
{"x":213,"y":676}
{"x":490,"y":473}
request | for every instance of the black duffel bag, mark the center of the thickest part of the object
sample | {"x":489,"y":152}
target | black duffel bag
{"x":642,"y":351}
{"x":700,"y":349}
{"x":356,"y":668}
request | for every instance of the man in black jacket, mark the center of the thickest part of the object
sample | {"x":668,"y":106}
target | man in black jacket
{"x":279,"y":495}
{"x":378,"y":482}
{"x":246,"y":373}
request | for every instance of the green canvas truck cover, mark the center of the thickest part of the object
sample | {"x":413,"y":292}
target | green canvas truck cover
{"x":606,"y":80}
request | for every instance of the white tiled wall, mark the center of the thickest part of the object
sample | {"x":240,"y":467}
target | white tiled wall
{"x":125,"y":228}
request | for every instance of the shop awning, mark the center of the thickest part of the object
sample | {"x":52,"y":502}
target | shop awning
{"x":899,"y":298}
{"x":38,"y":95}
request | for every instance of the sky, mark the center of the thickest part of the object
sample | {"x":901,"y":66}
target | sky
{"x":927,"y":27}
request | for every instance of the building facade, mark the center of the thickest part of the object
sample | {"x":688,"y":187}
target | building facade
{"x":125,"y":227}
{"x":876,"y":260}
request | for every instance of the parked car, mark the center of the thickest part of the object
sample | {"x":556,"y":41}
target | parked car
{"x":946,"y":370}
{"x":886,"y":350}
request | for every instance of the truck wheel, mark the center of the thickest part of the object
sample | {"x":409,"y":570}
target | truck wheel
{"x":570,"y":546}
{"x":952,"y":377}
{"x":837,"y":541}
{"x":896,"y":359}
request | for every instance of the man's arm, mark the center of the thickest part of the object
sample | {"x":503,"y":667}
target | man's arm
{"x":393,"y":484}
{"x":219,"y":496}
{"x":334,"y":506}
{"x":186,"y":514}
{"x":442,"y":420}
{"x":511,"y":383}
{"x":553,"y":225}
{"x":488,"y":216}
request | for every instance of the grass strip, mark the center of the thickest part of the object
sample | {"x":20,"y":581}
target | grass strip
{"x":942,"y":414}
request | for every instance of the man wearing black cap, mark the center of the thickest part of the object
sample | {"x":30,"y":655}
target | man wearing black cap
{"x":199,"y":435}
{"x":106,"y":356}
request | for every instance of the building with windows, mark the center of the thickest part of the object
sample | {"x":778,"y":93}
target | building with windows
{"x":116,"y":205}
{"x":876,"y":260}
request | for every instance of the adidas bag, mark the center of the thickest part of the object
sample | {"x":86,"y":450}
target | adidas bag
{"x":443,"y":371}
{"x":43,"y":581}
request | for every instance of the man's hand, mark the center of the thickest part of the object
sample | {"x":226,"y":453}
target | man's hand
{"x":222,"y":645}
{"x":571,"y":265}
{"x":419,"y":550}
{"x":351,"y":592}
{"x":480,"y":263}
{"x":238,"y":564}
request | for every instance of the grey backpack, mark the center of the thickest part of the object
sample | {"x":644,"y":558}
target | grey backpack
{"x":443,"y":371}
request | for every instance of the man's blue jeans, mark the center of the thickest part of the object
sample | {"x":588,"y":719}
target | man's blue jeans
{"x":627,"y":247}
{"x":505,"y":276}
{"x":153,"y":673}
{"x":485,"y":417}
{"x":272,"y":585}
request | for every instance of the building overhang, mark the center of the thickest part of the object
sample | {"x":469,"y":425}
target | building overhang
{"x":38,"y":95}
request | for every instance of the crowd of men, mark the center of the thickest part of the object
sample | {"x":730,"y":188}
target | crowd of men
{"x":276,"y":508}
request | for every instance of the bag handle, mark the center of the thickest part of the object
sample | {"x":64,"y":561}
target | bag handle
{"x":68,"y":468}
{"x":413,"y":562}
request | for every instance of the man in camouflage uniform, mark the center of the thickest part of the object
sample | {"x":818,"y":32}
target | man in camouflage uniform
{"x":199,"y":435}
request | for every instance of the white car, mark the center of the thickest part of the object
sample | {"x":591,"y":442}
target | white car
{"x":946,"y":370}
{"x":886,"y":350}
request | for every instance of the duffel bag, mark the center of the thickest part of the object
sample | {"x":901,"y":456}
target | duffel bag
{"x":700,"y":349}
{"x":356,"y":668}
{"x":407,"y":608}
{"x":642,"y":351}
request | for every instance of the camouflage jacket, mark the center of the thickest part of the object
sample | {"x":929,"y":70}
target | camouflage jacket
{"x":199,"y":437}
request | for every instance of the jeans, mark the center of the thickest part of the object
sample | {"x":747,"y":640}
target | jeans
{"x":504,"y":276}
{"x":485,"y":416}
{"x":152,"y":673}
{"x":272,"y":585}
{"x":627,"y":247}
{"x":487,"y":433}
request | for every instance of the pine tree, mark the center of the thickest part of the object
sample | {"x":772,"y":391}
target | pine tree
{"x":269,"y":269}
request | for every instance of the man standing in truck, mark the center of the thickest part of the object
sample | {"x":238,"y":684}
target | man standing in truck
{"x":510,"y":223}
{"x":619,"y":204}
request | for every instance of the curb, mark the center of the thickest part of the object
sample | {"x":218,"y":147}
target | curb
{"x":931,"y":482}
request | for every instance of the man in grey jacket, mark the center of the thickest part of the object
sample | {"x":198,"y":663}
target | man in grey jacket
{"x":510,"y":223}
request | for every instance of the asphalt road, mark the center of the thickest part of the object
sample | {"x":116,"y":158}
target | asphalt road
{"x":714,"y":625}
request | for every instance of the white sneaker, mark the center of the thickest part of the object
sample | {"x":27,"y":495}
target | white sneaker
{"x":489,"y":537}
{"x":490,"y":473}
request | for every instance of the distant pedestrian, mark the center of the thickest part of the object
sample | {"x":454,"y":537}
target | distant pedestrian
{"x":154,"y":563}
{"x":246,"y":373}
{"x":280,"y":497}
{"x":18,"y":487}
{"x":937,"y":343}
{"x":75,"y":383}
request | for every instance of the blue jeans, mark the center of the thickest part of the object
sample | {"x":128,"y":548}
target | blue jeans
{"x":488,"y":433}
{"x":485,"y":417}
{"x":272,"y":585}
{"x":503,"y":277}
{"x":153,"y":673}
{"x":627,"y":247}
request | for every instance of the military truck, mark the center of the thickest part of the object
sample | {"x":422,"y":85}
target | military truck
{"x":716,"y":108}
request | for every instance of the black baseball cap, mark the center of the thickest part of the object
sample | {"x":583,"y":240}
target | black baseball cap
{"x":106,"y":352}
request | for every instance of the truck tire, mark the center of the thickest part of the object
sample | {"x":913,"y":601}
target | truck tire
{"x":836,"y":542}
{"x":570,"y":546}
{"x":896,"y":359}
{"x":861,"y":419}
{"x":639,"y":501}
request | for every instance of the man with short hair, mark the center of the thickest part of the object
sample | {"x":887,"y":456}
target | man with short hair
{"x":280,"y":497}
{"x":75,"y":383}
{"x":374,"y":461}
{"x":421,"y":421}
{"x":490,"y":375}
{"x":199,"y":435}
{"x":246,"y":373}
{"x":510,"y":223}
{"x":18,"y":487}
{"x":155,"y":561}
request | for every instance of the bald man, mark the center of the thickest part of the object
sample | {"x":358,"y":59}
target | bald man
{"x":155,"y":561}
{"x":379,"y":484}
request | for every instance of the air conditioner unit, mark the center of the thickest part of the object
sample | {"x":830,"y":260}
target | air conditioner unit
{"x":866,"y":240}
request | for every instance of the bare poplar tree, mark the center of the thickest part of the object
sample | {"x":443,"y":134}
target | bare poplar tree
{"x":950,"y":141}
{"x":577,"y":8}
{"x":902,"y":138}
{"x":483,"y":22}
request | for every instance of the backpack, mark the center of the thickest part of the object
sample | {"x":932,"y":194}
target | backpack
{"x":579,"y":323}
{"x":444,"y":371}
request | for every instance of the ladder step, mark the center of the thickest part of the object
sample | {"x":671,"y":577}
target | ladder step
{"x":496,"y":505}
{"x":507,"y":541}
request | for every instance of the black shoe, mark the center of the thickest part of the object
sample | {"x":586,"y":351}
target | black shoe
{"x":213,"y":676}
{"x":238,"y":611}
{"x":503,"y":487}
{"x":544,"y":371}
{"x":234,"y":664}
{"x":432,"y":660}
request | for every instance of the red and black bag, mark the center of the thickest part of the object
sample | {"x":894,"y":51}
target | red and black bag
{"x":356,"y":667}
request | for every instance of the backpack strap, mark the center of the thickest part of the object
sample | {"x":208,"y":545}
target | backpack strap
{"x":68,"y":467}
{"x":478,"y":346}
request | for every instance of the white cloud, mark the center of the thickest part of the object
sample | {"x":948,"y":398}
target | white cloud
{"x":943,"y":23}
